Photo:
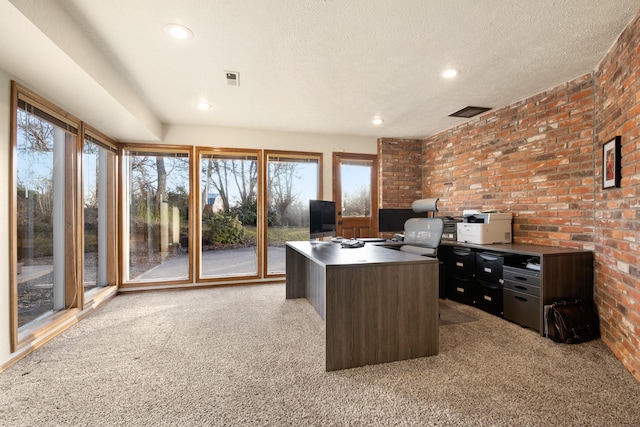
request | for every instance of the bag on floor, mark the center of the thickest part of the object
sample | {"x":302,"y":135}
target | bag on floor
{"x":572,"y":322}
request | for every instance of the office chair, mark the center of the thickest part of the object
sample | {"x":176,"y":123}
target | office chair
{"x":422,"y":235}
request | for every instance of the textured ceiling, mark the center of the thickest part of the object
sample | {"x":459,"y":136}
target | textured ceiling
{"x":325,"y":66}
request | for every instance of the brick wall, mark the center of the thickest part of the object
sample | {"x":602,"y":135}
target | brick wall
{"x":533,"y":158}
{"x":541,"y":159}
{"x":400,"y":164}
{"x":617,"y":227}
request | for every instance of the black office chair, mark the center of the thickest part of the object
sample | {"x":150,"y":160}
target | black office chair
{"x":422,"y":236}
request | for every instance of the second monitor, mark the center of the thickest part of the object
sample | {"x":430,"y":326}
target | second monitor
{"x":392,"y":220}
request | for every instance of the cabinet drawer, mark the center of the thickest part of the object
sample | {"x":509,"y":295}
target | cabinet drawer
{"x":490,"y":298}
{"x":463,"y":263}
{"x":489,"y":267}
{"x":522,"y":287}
{"x":464,"y":291}
{"x":521,"y":275}
{"x":522,"y":308}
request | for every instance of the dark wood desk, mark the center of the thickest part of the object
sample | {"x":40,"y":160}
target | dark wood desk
{"x":379,"y":305}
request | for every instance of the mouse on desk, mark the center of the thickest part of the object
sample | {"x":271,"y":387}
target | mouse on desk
{"x":352,"y":243}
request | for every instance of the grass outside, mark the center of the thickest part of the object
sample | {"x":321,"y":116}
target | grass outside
{"x":278,"y":236}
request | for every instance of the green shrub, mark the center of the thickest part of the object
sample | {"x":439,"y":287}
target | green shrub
{"x":247,"y":213}
{"x":225,"y":229}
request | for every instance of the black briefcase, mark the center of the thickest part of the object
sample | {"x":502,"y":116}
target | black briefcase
{"x":572,"y":322}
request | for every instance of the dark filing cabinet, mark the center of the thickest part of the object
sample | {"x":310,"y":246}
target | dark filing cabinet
{"x":489,"y":281}
{"x":461,"y":275}
{"x":475,"y":278}
{"x":522,"y":295}
{"x":516,"y":281}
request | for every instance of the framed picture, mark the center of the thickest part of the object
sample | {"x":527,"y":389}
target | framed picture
{"x":611,"y":157}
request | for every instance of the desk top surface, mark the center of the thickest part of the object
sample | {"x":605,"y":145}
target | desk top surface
{"x":332,"y":254}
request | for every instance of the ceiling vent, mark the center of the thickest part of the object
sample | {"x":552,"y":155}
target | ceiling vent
{"x":468,"y":112}
{"x":233,"y":78}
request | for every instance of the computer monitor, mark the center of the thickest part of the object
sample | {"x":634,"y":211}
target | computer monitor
{"x":392,"y":220}
{"x":322,"y":219}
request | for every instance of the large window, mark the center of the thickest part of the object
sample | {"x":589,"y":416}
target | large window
{"x":44,"y":151}
{"x":292,"y":179}
{"x":63,"y":216}
{"x":67,"y":241}
{"x":99,"y":213}
{"x":229,"y":226}
{"x":156,"y":244}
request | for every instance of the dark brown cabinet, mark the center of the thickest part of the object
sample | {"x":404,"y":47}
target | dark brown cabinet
{"x":522,"y":296}
{"x":495,"y":278}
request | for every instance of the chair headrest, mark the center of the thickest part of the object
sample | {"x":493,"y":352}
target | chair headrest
{"x":425,"y":205}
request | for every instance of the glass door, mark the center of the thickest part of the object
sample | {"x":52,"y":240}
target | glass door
{"x":292,"y":180}
{"x":355,"y":181}
{"x":229,"y":212}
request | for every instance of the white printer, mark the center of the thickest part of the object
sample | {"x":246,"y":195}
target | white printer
{"x":485,"y":227}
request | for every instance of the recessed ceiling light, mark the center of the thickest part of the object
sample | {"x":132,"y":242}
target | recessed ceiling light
{"x":377,"y":121}
{"x":203,"y":106}
{"x":178,"y":31}
{"x":449,"y":73}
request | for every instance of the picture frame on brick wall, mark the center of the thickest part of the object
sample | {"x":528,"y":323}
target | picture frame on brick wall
{"x":611,"y":157}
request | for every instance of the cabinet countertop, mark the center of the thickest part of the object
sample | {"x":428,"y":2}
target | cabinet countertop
{"x":518,"y":248}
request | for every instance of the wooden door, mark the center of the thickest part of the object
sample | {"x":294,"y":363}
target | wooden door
{"x":355,"y":191}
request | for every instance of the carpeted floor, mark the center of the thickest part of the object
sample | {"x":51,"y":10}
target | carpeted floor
{"x":245,"y":356}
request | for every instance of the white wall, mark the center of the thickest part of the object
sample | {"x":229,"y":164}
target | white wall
{"x":5,"y":151}
{"x":221,"y":137}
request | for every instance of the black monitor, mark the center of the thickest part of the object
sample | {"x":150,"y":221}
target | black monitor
{"x":322,"y":219}
{"x":392,"y":220}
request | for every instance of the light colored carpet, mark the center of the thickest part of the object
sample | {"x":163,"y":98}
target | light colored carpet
{"x":245,"y":356}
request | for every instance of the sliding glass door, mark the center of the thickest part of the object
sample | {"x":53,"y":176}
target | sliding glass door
{"x":99,"y":213}
{"x":45,"y":149}
{"x":157,"y":211}
{"x":228,"y":208}
{"x":292,"y":179}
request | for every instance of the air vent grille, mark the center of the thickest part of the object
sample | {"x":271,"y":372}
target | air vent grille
{"x":233,"y":78}
{"x":468,"y":112}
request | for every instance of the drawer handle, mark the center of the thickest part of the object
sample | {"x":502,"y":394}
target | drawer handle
{"x":524,"y":288}
{"x":521,"y":298}
{"x":524,"y":279}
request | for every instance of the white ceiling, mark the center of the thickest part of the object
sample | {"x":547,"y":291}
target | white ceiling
{"x":320,"y":66}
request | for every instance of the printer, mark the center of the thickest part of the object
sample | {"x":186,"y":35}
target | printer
{"x":484,"y":227}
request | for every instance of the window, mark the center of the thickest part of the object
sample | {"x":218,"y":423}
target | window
{"x":356,"y":188}
{"x":157,"y":204}
{"x":99,"y":213}
{"x":292,"y":180}
{"x":228,"y":207}
{"x":43,"y":213}
{"x":51,"y":251}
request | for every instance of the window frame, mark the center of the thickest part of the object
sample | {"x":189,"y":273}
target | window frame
{"x":293,"y":155}
{"x":124,"y":220}
{"x":22,"y":336}
{"x":228,"y":152}
{"x":112,"y":208}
